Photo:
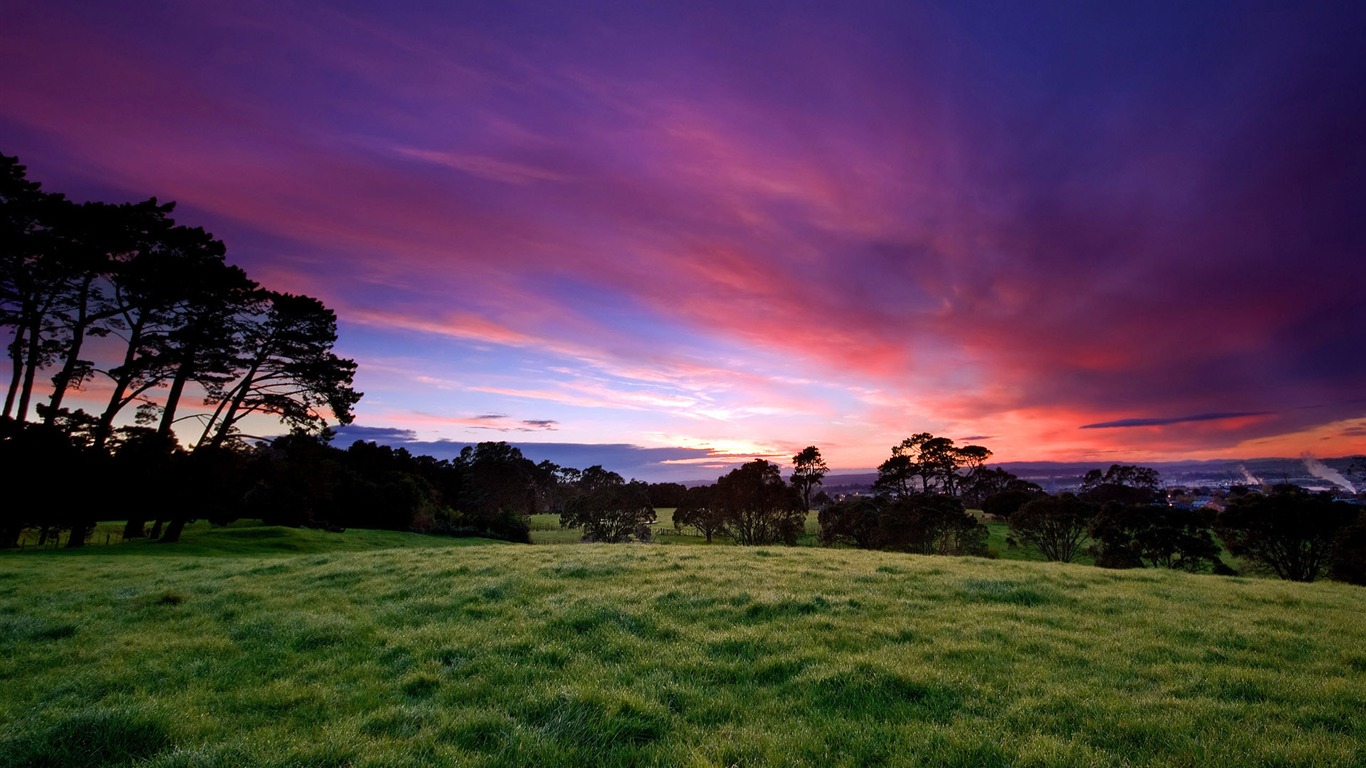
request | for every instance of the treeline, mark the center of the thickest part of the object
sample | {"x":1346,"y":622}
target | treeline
{"x":155,"y":488}
{"x":1120,"y":517}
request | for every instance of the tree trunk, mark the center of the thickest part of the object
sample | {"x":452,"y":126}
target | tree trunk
{"x":62,"y":380}
{"x":173,"y":530}
{"x":79,"y":532}
{"x":30,"y":370}
{"x":135,"y":528}
{"x":16,"y":368}
{"x":121,"y":383}
{"x":182,"y":375}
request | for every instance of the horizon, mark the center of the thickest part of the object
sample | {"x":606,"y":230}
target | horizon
{"x":686,"y":236}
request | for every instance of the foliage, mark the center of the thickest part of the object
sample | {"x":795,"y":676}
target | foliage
{"x":1290,"y":532}
{"x":984,"y":483}
{"x":1056,"y":525}
{"x":927,"y":524}
{"x":808,"y":470}
{"x":699,"y":510}
{"x":758,"y":507}
{"x":1123,"y":484}
{"x":935,"y":461}
{"x":607,"y":508}
{"x":1003,"y":504}
{"x":1349,"y":555}
{"x":169,"y":314}
{"x":1135,"y":535}
{"x":852,"y":520}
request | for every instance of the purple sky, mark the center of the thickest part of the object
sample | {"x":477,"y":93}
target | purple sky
{"x":692,"y":233}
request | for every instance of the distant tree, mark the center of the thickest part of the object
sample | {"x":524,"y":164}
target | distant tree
{"x":666,"y":494}
{"x":922,"y":523}
{"x":1056,"y":525}
{"x":1290,"y":532}
{"x":608,"y":509}
{"x":930,"y":524}
{"x":982,"y":483}
{"x":852,"y":520}
{"x":1349,"y":554}
{"x":699,"y":510}
{"x":1122,"y":483}
{"x":808,"y":470}
{"x":935,"y":461}
{"x":1153,"y":535}
{"x":1003,"y":504}
{"x":758,"y":507}
{"x":496,"y":490}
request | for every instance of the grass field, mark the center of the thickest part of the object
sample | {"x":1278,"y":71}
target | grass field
{"x":275,"y":647}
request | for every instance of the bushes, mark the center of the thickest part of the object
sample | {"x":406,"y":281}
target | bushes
{"x":1290,"y":532}
{"x":927,"y":524}
{"x":1136,"y":535}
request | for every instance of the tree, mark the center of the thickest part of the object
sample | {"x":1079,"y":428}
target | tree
{"x":1133,"y":535}
{"x":666,"y":494}
{"x":808,"y":469}
{"x":922,"y":523}
{"x":496,"y":490}
{"x":936,"y":461}
{"x":853,"y":520}
{"x":983,"y":483}
{"x":930,"y":524}
{"x":1056,"y":525}
{"x":34,"y":278}
{"x":609,"y":509}
{"x":758,"y":507}
{"x":1349,"y":555}
{"x":1003,"y":504}
{"x":285,"y":367}
{"x":699,"y":510}
{"x":1290,"y":532}
{"x":1122,"y":483}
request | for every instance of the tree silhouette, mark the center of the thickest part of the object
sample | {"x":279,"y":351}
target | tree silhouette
{"x":808,"y":469}
{"x":699,"y":510}
{"x":607,"y":508}
{"x":1290,"y":532}
{"x":284,"y":366}
{"x":1056,"y":525}
{"x":758,"y":507}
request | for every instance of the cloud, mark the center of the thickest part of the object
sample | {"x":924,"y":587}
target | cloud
{"x":742,"y":234}
{"x":1158,"y":422}
{"x":646,"y":463}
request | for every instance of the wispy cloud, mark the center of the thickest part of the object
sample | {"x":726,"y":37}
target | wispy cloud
{"x":1160,"y":422}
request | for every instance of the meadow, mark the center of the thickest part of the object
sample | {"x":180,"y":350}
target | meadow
{"x":257,"y":646}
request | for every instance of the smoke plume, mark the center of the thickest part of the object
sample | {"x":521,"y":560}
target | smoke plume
{"x":1324,"y":472}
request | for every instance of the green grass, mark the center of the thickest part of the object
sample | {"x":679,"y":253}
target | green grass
{"x":275,"y":647}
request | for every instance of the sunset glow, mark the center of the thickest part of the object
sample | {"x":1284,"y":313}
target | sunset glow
{"x":677,"y":236}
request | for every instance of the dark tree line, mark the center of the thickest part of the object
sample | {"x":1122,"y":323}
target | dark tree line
{"x":122,"y":301}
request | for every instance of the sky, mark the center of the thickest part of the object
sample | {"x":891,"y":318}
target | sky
{"x":670,"y":237}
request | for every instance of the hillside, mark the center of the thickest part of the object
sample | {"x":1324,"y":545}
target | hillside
{"x":238,"y":651}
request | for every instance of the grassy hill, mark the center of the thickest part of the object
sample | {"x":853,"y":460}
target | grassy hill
{"x":274,"y":647}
